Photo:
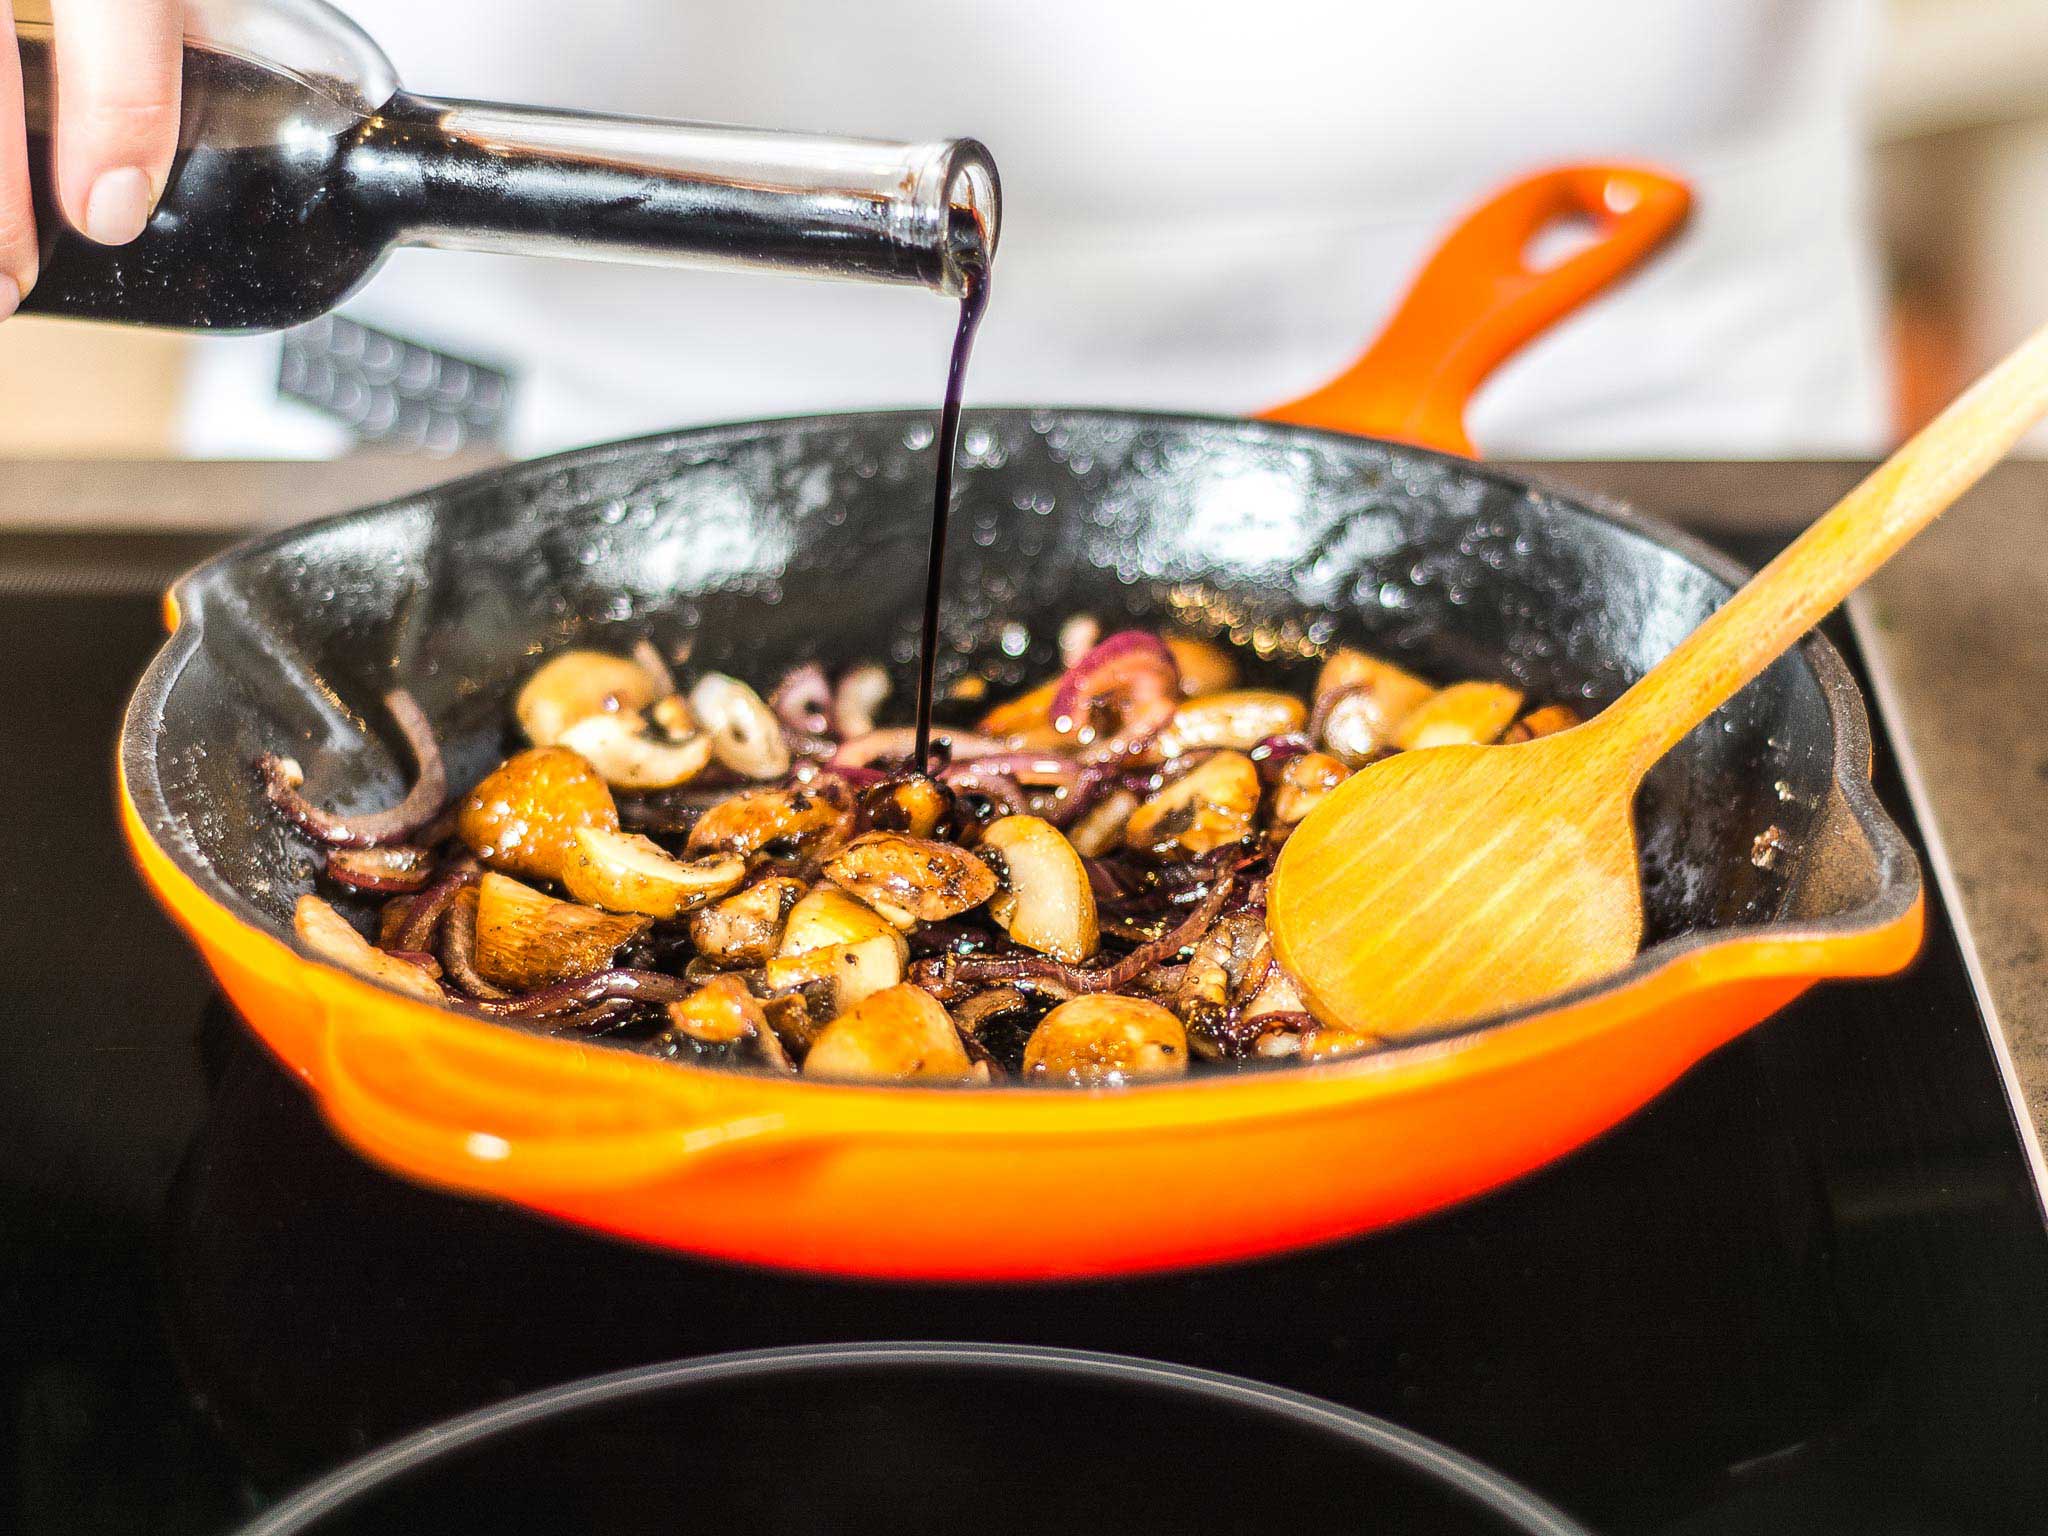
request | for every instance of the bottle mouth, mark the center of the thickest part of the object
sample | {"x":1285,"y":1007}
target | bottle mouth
{"x":966,"y":205}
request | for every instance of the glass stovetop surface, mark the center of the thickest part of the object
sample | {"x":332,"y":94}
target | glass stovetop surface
{"x":1805,"y":1290}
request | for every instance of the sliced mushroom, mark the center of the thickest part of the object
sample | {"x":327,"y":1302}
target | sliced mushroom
{"x":911,"y":880}
{"x":625,"y":872}
{"x":576,"y":685}
{"x":1360,"y":704}
{"x":1204,"y":667}
{"x":523,"y":817}
{"x":1305,"y":782}
{"x":1102,"y":828}
{"x":1462,"y":714}
{"x":861,"y":692}
{"x":1231,"y":959}
{"x":789,"y":823}
{"x":1026,"y":721}
{"x":1046,"y":903}
{"x":1350,"y":668}
{"x":1238,"y":718}
{"x":724,"y":1012}
{"x":746,"y":929}
{"x":1104,"y":1041}
{"x":635,"y":752}
{"x":855,"y":971}
{"x":331,"y":937}
{"x":897,"y":1034}
{"x":1547,"y":721}
{"x":745,"y":735}
{"x":1203,"y":809}
{"x":1077,"y":637}
{"x":827,"y":916}
{"x":526,"y":939}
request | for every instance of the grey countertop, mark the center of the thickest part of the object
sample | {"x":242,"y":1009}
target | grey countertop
{"x":1956,"y":629}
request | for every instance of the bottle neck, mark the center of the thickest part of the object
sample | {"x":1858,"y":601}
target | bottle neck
{"x":481,"y":176}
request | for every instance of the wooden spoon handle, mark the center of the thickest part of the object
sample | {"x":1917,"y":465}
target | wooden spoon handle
{"x":1832,"y":558}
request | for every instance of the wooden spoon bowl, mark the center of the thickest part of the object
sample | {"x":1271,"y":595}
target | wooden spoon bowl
{"x":1458,"y":882}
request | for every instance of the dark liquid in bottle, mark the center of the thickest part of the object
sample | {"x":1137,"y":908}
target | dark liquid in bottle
{"x":973,"y":260}
{"x":253,"y":231}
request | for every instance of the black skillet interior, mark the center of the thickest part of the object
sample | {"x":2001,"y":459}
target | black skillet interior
{"x":762,"y":544}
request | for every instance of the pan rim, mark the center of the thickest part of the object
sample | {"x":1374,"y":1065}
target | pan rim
{"x":1437,"y":1463}
{"x":1898,"y":890}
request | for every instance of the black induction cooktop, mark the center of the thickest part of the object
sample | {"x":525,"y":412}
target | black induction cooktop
{"x":1805,"y":1290}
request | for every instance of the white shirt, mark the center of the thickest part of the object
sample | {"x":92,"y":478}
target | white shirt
{"x":1206,"y":208}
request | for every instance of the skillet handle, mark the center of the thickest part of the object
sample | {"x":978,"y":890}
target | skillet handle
{"x":486,"y":1108}
{"x":1477,"y":301}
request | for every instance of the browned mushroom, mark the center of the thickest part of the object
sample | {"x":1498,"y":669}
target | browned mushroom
{"x":802,"y":822}
{"x":332,"y":938}
{"x":1229,"y":963}
{"x":1104,"y":1041}
{"x":1045,"y":902}
{"x":898,"y":1034}
{"x":827,"y":916}
{"x":655,"y":749}
{"x":853,"y":971}
{"x":1204,"y":667}
{"x":1305,"y":782}
{"x":746,"y":929}
{"x":526,"y":939}
{"x":576,"y":685}
{"x":1547,"y":721}
{"x":724,"y":1012}
{"x":1460,"y":715}
{"x":1238,"y":718}
{"x":1360,"y":701}
{"x":524,"y":816}
{"x":1201,"y":810}
{"x":625,"y":872}
{"x":745,"y":735}
{"x":911,"y":880}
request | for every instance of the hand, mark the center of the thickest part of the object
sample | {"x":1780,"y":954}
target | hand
{"x":117,"y":66}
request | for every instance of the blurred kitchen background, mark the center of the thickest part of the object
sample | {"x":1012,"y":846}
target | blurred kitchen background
{"x":1958,"y":126}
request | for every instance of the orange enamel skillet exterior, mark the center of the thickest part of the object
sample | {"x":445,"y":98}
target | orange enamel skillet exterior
{"x":1013,"y":1183}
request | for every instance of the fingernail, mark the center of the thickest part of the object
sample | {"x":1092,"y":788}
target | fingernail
{"x":118,"y":206}
{"x":10,"y":295}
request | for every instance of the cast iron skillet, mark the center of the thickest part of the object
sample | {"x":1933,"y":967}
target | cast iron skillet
{"x":938,"y":1438}
{"x":766,"y":543}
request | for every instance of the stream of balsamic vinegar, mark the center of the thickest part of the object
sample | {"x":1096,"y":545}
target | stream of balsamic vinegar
{"x":974,"y":266}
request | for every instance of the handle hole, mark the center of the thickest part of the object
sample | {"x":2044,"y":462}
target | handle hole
{"x":1558,"y":241}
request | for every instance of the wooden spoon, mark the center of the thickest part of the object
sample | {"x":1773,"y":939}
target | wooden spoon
{"x":1456,"y":882}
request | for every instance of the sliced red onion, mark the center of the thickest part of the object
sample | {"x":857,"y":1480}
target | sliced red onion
{"x":1276,"y":752}
{"x":397,"y":870}
{"x":802,"y":701}
{"x":979,"y":969}
{"x":424,"y":915}
{"x":1132,"y":671}
{"x":458,"y":950}
{"x":282,"y":778}
{"x":977,"y":778}
{"x":619,"y":984}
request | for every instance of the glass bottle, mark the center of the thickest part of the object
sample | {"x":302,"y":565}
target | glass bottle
{"x":302,"y":162}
